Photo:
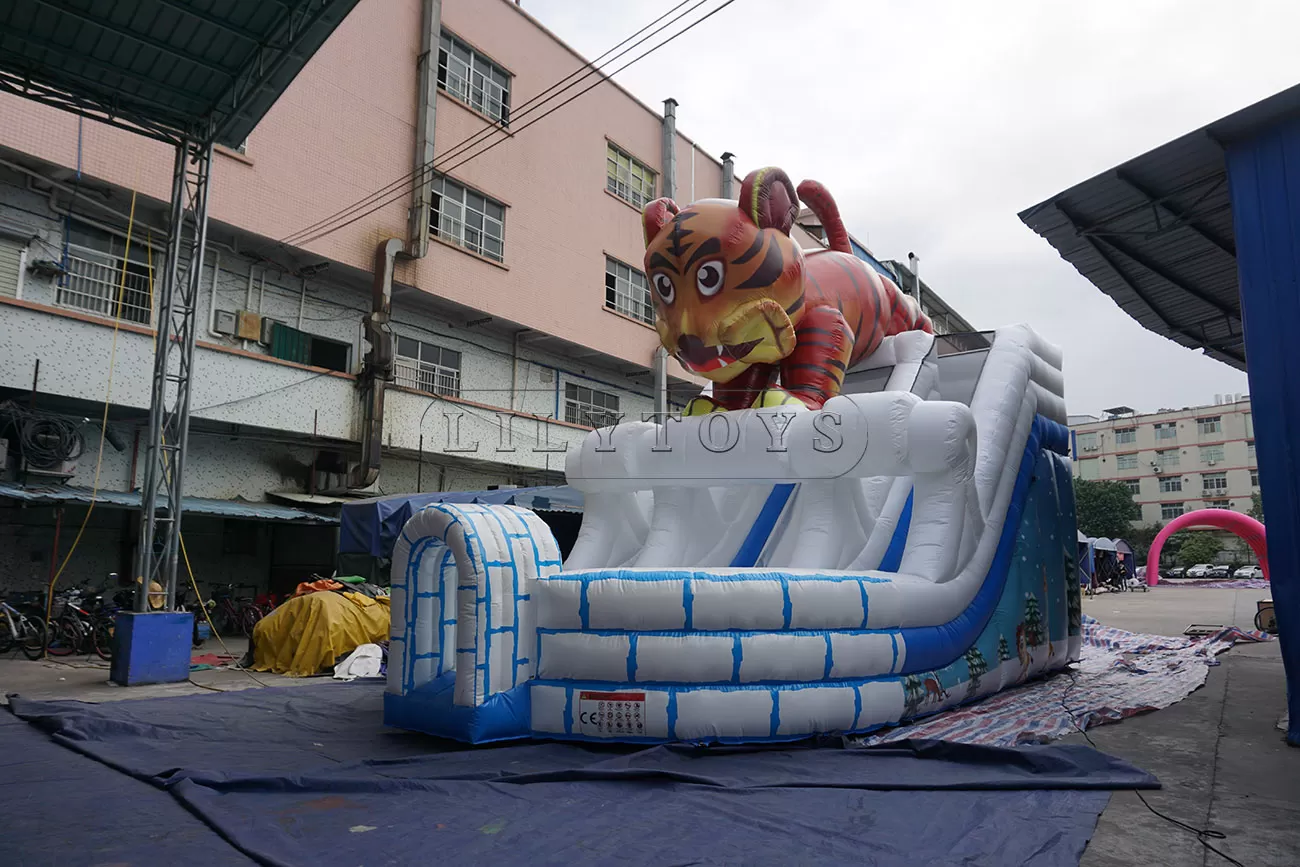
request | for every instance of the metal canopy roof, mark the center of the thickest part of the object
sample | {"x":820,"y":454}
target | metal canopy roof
{"x":203,"y":69}
{"x":1156,"y":233}
{"x":57,"y":494}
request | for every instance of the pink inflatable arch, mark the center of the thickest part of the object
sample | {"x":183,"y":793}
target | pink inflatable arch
{"x":1244,"y":526}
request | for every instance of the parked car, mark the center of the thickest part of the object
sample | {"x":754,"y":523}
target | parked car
{"x":1219,"y":572}
{"x":1176,"y":572}
{"x":1249,"y":572}
{"x":1200,"y":570}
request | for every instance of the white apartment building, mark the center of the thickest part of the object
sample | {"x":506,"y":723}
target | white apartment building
{"x":1173,"y":461}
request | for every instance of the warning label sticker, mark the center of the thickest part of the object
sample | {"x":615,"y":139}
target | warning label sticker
{"x":611,"y":713}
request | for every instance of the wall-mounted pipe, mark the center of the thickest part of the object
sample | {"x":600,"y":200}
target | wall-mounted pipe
{"x":728,"y":174}
{"x":378,"y":369}
{"x":669,"y":188}
{"x":212,"y":295}
{"x":426,"y":112}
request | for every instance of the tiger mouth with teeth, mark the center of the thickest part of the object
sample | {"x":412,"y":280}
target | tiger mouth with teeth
{"x":696,"y":356}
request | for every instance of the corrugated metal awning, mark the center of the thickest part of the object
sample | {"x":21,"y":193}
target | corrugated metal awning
{"x":206,"y":69}
{"x":54,"y":494}
{"x":1156,"y":233}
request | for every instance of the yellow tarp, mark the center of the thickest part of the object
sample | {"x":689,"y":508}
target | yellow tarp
{"x":305,"y":635}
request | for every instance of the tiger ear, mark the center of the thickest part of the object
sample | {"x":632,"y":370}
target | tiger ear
{"x":655,"y":216}
{"x":769,"y":199}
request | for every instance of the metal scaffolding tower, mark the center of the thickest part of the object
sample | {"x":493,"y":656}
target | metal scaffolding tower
{"x":169,"y":406}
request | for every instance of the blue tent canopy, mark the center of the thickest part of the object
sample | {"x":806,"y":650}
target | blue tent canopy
{"x":372,"y":526}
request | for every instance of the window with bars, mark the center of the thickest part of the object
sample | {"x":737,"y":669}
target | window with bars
{"x":1167,"y":458}
{"x":589,"y":406}
{"x":1125,"y":435}
{"x":1250,"y":450}
{"x":1209,"y":425}
{"x":1126,"y":462}
{"x":627,"y":177}
{"x":468,"y":218}
{"x":1167,"y":430}
{"x":471,"y":78}
{"x":627,"y":292}
{"x":1090,"y":469}
{"x":1211,"y":454}
{"x":95,"y":281}
{"x":1087,"y":441}
{"x":426,"y":367}
{"x":1171,"y":484}
{"x":1134,"y":485}
{"x":1250,"y":424}
{"x":1254,"y":478}
{"x":1169,"y":511}
{"x":1213,"y":483}
{"x":1219,"y":504}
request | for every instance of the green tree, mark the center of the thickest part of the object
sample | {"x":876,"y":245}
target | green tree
{"x":1105,"y":509}
{"x":1140,"y":539}
{"x":1004,"y":652}
{"x":1199,"y":547}
{"x":1256,"y":507}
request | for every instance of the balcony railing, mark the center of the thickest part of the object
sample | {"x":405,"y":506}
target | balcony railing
{"x":421,"y":376}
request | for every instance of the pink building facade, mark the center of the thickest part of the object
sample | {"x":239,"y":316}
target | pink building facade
{"x":519,"y":309}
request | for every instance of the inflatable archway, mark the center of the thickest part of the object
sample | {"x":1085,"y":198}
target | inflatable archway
{"x":1243,"y":526}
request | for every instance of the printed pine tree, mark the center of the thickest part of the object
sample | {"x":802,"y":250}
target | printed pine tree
{"x":1004,"y":652}
{"x":978,"y":666}
{"x":1033,"y":621}
{"x":913,"y":694}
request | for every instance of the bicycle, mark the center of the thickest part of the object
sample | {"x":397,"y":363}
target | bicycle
{"x":25,"y":630}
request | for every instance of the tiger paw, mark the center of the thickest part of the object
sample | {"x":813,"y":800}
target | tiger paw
{"x":773,"y":397}
{"x":702,"y":406}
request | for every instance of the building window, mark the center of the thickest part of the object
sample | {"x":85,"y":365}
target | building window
{"x":1134,"y":485}
{"x":1087,"y":442}
{"x":1167,"y":458}
{"x":1171,"y":484}
{"x":1250,"y":424}
{"x":627,"y":292}
{"x":95,"y":281}
{"x":1169,"y":511}
{"x":1219,"y":504}
{"x":1125,"y":435}
{"x":426,"y":367}
{"x":1254,"y":478}
{"x":290,"y":344}
{"x":1167,"y":430}
{"x":473,"y":79}
{"x":1211,"y":454}
{"x":1250,"y":451}
{"x":627,"y":177}
{"x":1213,"y":483}
{"x":1126,"y":462}
{"x":1090,"y":469}
{"x":588,"y":406}
{"x":468,"y":218}
{"x":1209,"y":425}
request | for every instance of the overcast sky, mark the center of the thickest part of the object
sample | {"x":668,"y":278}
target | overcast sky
{"x":934,"y":123}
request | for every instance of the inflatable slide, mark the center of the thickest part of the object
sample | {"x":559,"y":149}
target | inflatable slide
{"x":861,"y":524}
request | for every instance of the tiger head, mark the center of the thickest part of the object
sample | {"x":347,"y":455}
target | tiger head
{"x":727,"y":280}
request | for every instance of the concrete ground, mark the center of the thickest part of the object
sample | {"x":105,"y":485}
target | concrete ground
{"x":1222,"y":760}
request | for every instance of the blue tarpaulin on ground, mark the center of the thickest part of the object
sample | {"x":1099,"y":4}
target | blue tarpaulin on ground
{"x":371,"y":526}
{"x":306,"y":775}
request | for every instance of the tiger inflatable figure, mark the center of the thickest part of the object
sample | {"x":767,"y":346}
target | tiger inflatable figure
{"x":739,"y":303}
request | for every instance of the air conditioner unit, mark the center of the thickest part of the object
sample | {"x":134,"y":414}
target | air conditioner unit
{"x":1211,"y":463}
{"x":59,"y":473}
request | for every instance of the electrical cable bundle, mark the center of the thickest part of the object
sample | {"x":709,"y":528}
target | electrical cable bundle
{"x":45,"y":440}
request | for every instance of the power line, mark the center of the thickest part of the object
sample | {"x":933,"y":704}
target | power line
{"x":401,"y":192}
{"x":489,"y":129}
